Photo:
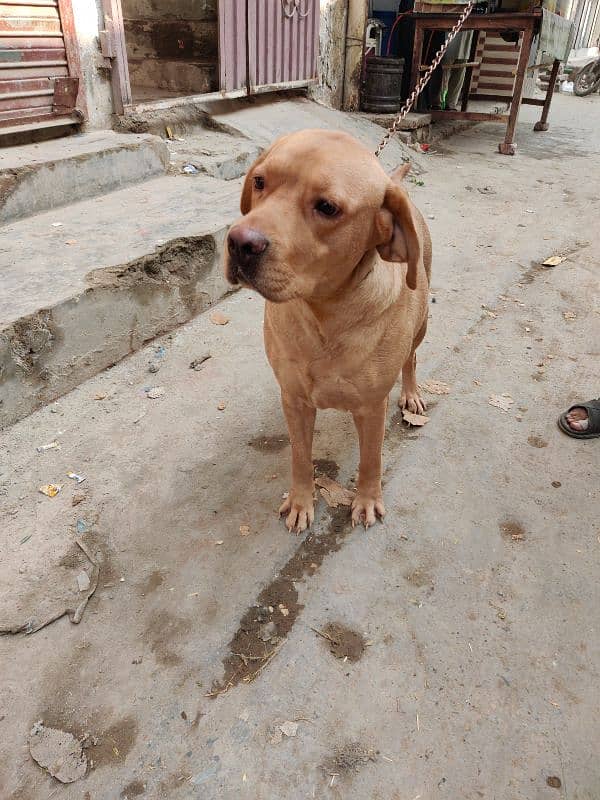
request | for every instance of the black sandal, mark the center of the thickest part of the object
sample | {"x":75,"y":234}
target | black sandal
{"x":593,"y":429}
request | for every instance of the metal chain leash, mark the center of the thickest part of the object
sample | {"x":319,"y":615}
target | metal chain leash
{"x":425,"y":78}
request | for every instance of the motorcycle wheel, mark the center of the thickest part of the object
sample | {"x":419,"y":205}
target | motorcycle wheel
{"x":587,"y":79}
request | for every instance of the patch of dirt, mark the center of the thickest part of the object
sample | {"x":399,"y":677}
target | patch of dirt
{"x":180,"y":262}
{"x":133,"y":789}
{"x":270,"y":444}
{"x":267,"y":622}
{"x":537,"y":441}
{"x":74,"y":558}
{"x":344,"y":642}
{"x":169,"y":785}
{"x":419,"y":577}
{"x":512,"y":530}
{"x":182,"y":119}
{"x":29,"y":339}
{"x":22,"y":794}
{"x":114,"y":744}
{"x":348,"y":758}
{"x":152,"y":582}
{"x":326,"y":468}
{"x":163,"y":633}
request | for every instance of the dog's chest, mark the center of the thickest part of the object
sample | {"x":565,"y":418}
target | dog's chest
{"x":341,"y":369}
{"x":336,"y":375}
{"x":331,"y":382}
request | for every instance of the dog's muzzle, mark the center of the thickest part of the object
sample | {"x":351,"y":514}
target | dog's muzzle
{"x":246,"y":247}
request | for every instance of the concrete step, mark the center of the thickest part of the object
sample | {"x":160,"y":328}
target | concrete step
{"x":88,"y":284}
{"x":222,"y":137}
{"x":38,"y":177}
{"x":194,"y":138}
{"x":212,"y":152}
{"x":265,"y":117}
{"x":417,"y":128}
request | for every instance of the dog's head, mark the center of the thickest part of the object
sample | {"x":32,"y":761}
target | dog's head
{"x":315,"y":204}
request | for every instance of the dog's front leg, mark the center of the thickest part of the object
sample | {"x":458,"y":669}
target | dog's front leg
{"x":368,"y":503}
{"x":299,"y":505}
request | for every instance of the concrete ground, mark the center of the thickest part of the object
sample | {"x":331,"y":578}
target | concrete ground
{"x":463,"y":655}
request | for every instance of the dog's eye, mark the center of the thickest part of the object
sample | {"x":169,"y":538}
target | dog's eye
{"x":259,"y":183}
{"x":327,"y":209}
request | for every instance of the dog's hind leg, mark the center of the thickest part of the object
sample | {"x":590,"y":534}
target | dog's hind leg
{"x":410,"y":399}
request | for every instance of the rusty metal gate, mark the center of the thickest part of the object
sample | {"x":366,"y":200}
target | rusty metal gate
{"x":267,"y":44}
{"x":39,"y":65}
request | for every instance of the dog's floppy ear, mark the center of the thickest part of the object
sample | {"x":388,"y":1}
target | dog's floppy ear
{"x":400,"y":173}
{"x":246,"y":198}
{"x":400,"y":240}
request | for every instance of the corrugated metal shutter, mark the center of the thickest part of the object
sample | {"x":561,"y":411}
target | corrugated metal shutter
{"x":37,"y":81}
{"x":266,"y":44}
{"x":233,"y":50}
{"x":283,"y":42}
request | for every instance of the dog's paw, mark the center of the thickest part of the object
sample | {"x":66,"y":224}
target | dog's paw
{"x":413,"y":402}
{"x":299,"y":510}
{"x":366,"y":508}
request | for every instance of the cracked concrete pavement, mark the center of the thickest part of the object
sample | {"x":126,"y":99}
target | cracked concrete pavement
{"x":475,"y":660}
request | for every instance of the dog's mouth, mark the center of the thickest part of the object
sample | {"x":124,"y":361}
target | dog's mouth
{"x":256,"y":282}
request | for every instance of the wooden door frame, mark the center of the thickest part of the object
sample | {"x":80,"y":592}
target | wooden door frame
{"x":114,"y":50}
{"x":67,"y":23}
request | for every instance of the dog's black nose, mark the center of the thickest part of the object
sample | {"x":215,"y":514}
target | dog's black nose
{"x":246,"y":245}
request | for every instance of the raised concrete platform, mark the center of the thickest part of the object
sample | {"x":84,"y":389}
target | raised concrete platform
{"x":38,"y":177}
{"x":117,"y":271}
{"x":263,"y":118}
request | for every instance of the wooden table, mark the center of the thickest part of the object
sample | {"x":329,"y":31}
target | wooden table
{"x":527,"y":23}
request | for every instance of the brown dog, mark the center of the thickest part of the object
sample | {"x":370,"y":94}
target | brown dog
{"x":343,"y":259}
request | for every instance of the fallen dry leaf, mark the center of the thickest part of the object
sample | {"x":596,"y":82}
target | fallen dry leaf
{"x":416,"y":420}
{"x":333,"y":493}
{"x":435,"y":387}
{"x":218,"y":319}
{"x":553,"y":261}
{"x":569,"y":315}
{"x":244,"y":530}
{"x":289,"y":728}
{"x":501,"y":401}
{"x":100,"y":396}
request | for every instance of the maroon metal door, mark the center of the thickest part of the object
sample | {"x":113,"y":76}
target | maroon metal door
{"x":39,"y":67}
{"x":267,"y":44}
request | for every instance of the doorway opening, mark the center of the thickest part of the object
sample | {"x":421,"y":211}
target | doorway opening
{"x":172,"y":48}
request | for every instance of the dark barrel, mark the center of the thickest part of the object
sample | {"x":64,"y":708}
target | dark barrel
{"x":383,"y":85}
